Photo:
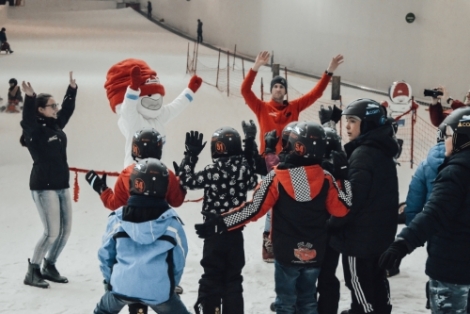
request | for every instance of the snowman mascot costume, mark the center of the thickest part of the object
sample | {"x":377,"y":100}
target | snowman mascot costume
{"x":136,"y":95}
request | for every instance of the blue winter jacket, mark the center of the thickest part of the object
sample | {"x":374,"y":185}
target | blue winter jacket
{"x":422,"y":181}
{"x":144,"y":260}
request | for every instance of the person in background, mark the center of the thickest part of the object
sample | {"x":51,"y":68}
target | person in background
{"x":437,"y":113}
{"x":43,"y":135}
{"x":199,"y":31}
{"x":14,"y":96}
{"x":149,"y":9}
{"x":4,"y":45}
{"x":444,"y":223}
{"x":144,"y":248}
{"x":278,"y":112}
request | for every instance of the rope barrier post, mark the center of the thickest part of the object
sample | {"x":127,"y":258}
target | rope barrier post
{"x":195,"y":60}
{"x":261,"y":88}
{"x":340,"y":120}
{"x":228,"y":73}
{"x":243,"y":68}
{"x":234,"y":57}
{"x":218,"y":68}
{"x":194,"y":55}
{"x":187,"y":60}
{"x":413,"y":122}
{"x":287,"y":91}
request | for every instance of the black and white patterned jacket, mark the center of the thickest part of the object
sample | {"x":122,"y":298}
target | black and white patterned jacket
{"x":225,"y":182}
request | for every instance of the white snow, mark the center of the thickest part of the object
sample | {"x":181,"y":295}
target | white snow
{"x":50,"y":43}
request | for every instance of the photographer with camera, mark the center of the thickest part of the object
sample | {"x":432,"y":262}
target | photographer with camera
{"x":437,"y":113}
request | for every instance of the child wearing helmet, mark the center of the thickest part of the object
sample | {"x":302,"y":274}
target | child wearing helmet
{"x":14,"y":96}
{"x":302,"y":197}
{"x":146,"y":143}
{"x":444,"y":223}
{"x":225,"y":182}
{"x":372,"y":225}
{"x":144,"y":248}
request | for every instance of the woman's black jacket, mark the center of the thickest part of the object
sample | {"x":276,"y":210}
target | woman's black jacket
{"x":47,"y":143}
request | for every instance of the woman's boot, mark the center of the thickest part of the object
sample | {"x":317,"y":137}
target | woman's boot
{"x":49,"y":272}
{"x":33,"y":276}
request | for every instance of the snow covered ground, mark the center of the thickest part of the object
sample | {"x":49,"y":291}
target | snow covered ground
{"x":50,"y":43}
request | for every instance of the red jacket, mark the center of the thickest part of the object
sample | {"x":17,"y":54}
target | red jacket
{"x":302,"y":199}
{"x":438,"y":114}
{"x":274,"y":116}
{"x":113,"y":200}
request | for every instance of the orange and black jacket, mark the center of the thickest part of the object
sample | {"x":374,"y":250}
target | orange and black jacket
{"x":274,"y":116}
{"x":302,"y":199}
{"x":114,"y":199}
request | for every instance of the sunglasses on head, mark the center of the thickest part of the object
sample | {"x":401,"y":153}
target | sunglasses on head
{"x":53,"y":106}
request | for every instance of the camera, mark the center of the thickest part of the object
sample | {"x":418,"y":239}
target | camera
{"x":432,"y":93}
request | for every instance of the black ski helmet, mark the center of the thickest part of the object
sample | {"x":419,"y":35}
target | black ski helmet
{"x":226,"y":142}
{"x":371,"y":113}
{"x":147,"y":143}
{"x":307,"y":140}
{"x":13,"y":81}
{"x":452,"y":120}
{"x":286,"y":132}
{"x":150,"y":177}
{"x":333,"y":142}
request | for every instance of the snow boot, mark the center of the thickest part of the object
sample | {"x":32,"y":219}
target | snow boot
{"x":33,"y":277}
{"x":208,"y":305}
{"x":179,"y":290}
{"x":267,"y":250}
{"x":137,"y":308}
{"x":49,"y":272}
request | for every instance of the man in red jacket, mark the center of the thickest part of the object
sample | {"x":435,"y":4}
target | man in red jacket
{"x":277,"y":113}
{"x":437,"y":114}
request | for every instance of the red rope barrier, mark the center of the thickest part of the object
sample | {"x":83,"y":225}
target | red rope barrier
{"x":76,"y":187}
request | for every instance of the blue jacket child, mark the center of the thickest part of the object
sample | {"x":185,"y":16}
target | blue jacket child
{"x":421,"y":184}
{"x":144,"y":248}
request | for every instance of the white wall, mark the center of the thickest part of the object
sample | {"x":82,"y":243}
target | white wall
{"x":379,"y":45}
{"x":3,"y":14}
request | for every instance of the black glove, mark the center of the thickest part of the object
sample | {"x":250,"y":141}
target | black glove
{"x":270,"y":140}
{"x":394,"y":254}
{"x":213,"y":224}
{"x":325,"y":114}
{"x":340,"y":164}
{"x":336,"y":114}
{"x":249,"y":150}
{"x":98,"y":184}
{"x":193,"y":143}
{"x":176,"y":167}
{"x":328,"y":166}
{"x":249,"y":129}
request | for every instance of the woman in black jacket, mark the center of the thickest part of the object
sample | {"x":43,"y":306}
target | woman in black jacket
{"x":49,"y":181}
{"x":372,"y":222}
{"x":444,"y":223}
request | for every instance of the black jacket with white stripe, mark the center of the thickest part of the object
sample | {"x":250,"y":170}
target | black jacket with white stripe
{"x":372,"y":223}
{"x":302,"y":199}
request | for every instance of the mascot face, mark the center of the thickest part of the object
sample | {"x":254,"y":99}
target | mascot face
{"x":149,"y":105}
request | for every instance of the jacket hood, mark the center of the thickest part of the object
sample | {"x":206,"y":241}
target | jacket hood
{"x":148,"y":231}
{"x":436,"y":155}
{"x":380,"y":138}
{"x":301,"y":183}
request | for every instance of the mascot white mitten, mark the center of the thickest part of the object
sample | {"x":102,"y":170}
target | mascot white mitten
{"x":136,"y":95}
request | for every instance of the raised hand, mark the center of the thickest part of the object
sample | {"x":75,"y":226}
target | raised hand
{"x":335,"y":62}
{"x":193,"y":143}
{"x":73,"y":84}
{"x":27,"y":89}
{"x":249,"y":129}
{"x":336,"y":114}
{"x":262,"y":59}
{"x":195,"y":83}
{"x":325,"y":114}
{"x":213,"y":224}
{"x":98,"y":184}
{"x":136,"y":79}
{"x":270,"y":140}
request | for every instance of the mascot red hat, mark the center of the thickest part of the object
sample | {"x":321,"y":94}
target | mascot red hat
{"x":118,"y":79}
